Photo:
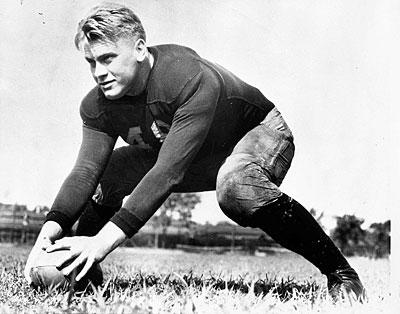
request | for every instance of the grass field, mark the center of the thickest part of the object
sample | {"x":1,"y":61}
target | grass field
{"x":159,"y":281}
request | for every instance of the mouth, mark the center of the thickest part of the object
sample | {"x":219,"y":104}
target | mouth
{"x":106,"y":84}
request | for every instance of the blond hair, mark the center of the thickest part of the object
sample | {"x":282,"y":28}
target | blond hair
{"x":109,"y":22}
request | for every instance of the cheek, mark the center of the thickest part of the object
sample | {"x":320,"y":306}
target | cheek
{"x":124,"y":72}
{"x":127,"y":76}
{"x":129,"y":68}
{"x":116,"y":70}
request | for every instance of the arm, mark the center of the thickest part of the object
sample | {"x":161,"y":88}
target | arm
{"x":79,"y":186}
{"x":189,"y":129}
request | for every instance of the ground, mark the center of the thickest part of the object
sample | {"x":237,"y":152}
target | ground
{"x":160,"y":281}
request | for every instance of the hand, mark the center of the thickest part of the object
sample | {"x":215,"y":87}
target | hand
{"x":86,"y":251}
{"x":49,"y":232}
{"x":83,"y":251}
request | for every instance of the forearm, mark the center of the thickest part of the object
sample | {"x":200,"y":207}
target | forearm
{"x":79,"y":186}
{"x":73,"y":195}
{"x":144,"y":201}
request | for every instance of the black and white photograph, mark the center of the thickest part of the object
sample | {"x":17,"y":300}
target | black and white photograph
{"x":199,"y":156}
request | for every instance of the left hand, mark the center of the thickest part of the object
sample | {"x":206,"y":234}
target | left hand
{"x":87,"y":251}
{"x":84,"y":251}
{"x":50,"y":231}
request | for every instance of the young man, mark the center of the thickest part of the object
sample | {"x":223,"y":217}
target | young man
{"x":191,"y":126}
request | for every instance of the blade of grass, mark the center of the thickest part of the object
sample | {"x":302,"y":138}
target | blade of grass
{"x":71,"y":287}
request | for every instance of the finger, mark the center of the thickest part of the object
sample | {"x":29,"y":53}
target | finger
{"x":66,"y":261}
{"x":57,"y":247}
{"x":64,"y":241}
{"x":61,"y":244}
{"x":85,"y":269}
{"x":78,"y":261}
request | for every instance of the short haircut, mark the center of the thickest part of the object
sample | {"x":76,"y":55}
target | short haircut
{"x":109,"y":22}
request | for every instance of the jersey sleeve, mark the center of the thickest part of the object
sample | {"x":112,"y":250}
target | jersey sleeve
{"x":80,"y":184}
{"x":189,"y":129}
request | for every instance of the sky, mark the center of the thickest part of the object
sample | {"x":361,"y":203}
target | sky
{"x":331,"y":68}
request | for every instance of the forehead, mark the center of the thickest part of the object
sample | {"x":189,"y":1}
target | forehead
{"x":98,"y":48}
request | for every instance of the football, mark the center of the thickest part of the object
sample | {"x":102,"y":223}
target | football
{"x":45,"y":273}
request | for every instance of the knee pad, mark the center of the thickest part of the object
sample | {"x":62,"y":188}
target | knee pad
{"x":228,"y":192}
{"x":242,"y":188}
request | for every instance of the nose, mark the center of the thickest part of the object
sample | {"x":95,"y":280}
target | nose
{"x":99,"y":71}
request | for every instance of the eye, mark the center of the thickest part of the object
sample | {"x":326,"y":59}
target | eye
{"x":108,"y":59}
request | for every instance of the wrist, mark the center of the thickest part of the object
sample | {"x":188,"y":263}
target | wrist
{"x":111,"y":236}
{"x":50,"y":230}
{"x":60,"y":218}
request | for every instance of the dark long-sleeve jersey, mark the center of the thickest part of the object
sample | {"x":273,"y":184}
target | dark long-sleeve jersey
{"x":191,"y":108}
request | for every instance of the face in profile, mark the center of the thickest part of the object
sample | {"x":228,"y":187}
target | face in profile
{"x":116,"y":66}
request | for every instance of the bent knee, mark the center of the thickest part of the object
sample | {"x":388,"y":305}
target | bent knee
{"x":242,"y":189}
{"x":228,"y":180}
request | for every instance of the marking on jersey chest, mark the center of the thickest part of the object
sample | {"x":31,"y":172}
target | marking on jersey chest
{"x":135,"y":137}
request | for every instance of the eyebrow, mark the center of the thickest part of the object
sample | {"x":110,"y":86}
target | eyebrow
{"x":102,"y":57}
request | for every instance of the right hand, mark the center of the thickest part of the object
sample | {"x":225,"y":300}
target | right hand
{"x":50,"y":232}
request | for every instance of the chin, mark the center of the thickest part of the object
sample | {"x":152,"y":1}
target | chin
{"x":112,"y":95}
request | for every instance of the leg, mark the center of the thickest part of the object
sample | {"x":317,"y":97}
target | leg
{"x":250,"y":176}
{"x":127,"y":166}
{"x":247,"y":190}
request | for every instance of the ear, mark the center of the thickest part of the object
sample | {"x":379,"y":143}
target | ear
{"x":140,"y":49}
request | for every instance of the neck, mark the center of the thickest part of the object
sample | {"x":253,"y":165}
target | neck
{"x":145,"y":70}
{"x":151,"y":60}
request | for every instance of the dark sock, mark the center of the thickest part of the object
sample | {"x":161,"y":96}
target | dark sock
{"x":293,"y":227}
{"x":93,"y":218}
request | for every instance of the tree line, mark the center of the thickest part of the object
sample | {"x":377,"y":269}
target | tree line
{"x":173,"y":225}
{"x":352,"y":239}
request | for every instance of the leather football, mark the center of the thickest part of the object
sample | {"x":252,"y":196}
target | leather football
{"x":45,"y":273}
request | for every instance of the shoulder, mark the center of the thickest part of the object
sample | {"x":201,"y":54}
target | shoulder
{"x":174,"y":67}
{"x":90,"y":103}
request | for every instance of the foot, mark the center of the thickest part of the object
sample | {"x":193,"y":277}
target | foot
{"x":345,"y":282}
